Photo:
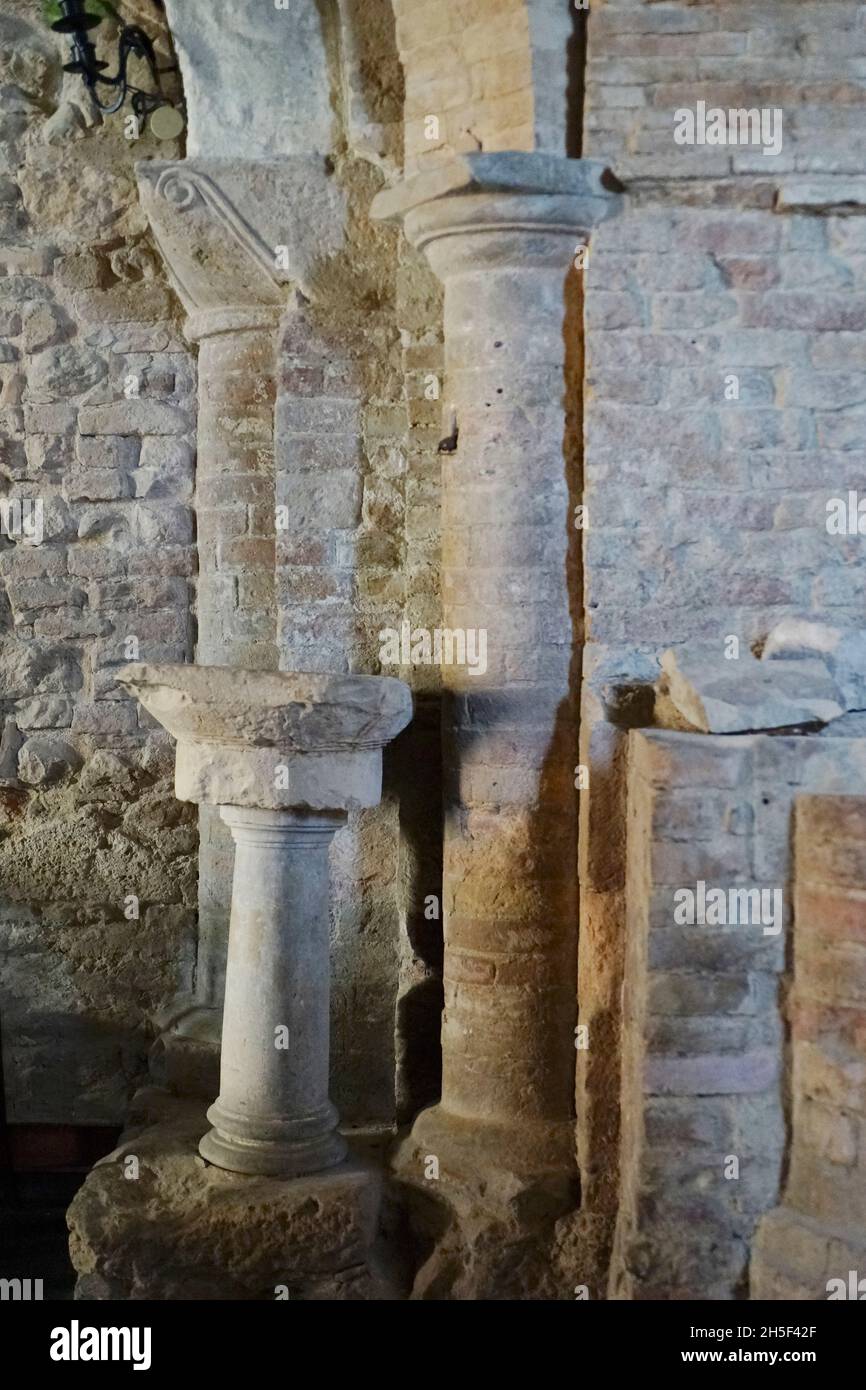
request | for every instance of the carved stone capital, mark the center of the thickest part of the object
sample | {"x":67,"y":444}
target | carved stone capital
{"x":237,"y":235}
{"x":501,"y":209}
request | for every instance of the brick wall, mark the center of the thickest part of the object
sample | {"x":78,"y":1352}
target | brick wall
{"x":703,"y":1020}
{"x":491,"y":72}
{"x":808,"y":1246}
{"x":707,"y":514}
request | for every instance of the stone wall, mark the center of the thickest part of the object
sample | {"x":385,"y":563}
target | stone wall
{"x":96,"y":423}
{"x":728,"y":271}
{"x":704,"y":1029}
{"x":333,"y":422}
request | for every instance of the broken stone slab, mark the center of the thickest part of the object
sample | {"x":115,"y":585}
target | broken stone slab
{"x":701,"y":689}
{"x":843,"y":651}
{"x":154,"y":1221}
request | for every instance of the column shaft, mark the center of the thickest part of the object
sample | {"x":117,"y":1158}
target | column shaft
{"x":501,"y":231}
{"x":236,"y":605}
{"x":273,"y":1114}
{"x":508,"y":567}
{"x":235,"y":499}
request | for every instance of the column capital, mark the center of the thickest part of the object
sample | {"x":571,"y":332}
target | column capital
{"x":236,"y":234}
{"x":274,"y":740}
{"x":223,"y":270}
{"x":505,"y":208}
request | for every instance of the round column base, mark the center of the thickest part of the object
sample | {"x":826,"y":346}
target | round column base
{"x":494,"y":1158}
{"x":273,"y":1157}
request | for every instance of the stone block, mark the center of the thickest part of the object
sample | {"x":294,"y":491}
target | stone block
{"x":185,"y":1230}
{"x":43,"y":326}
{"x":44,"y":712}
{"x":718,"y":695}
{"x":50,"y":419}
{"x":105,"y":717}
{"x":45,"y":760}
{"x":96,"y":485}
{"x":133,"y":417}
{"x":68,"y":370}
{"x":713,"y":1074}
{"x":108,"y":451}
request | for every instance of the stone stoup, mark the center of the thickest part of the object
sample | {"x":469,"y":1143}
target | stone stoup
{"x":452,"y":319}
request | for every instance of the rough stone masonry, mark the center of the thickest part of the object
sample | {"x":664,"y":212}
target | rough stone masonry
{"x":516,"y":317}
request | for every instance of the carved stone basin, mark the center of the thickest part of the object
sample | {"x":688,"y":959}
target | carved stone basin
{"x":274,"y":739}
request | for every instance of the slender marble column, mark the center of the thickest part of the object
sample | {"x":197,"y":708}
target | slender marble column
{"x":501,"y":232}
{"x":273,"y":1114}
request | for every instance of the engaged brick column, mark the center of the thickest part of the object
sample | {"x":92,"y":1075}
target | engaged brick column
{"x":235,"y":516}
{"x":501,"y":231}
{"x":809,"y":1247}
{"x":227,"y":279}
{"x":234,"y":493}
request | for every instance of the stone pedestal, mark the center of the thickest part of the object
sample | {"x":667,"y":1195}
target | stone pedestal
{"x":154,"y":1221}
{"x":285,"y":757}
{"x":502,"y":232}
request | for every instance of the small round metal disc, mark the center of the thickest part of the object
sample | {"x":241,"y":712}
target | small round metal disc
{"x":166,"y":122}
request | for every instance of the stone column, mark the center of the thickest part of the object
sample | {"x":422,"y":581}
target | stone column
{"x":225,"y":273}
{"x":273,"y":1112}
{"x":501,"y":232}
{"x":285,"y":757}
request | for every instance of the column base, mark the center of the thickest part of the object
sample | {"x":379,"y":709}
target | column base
{"x":495,"y":1159}
{"x":495,"y":1210}
{"x":271,"y":1158}
{"x":277,"y":1148}
{"x":176,"y":1229}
